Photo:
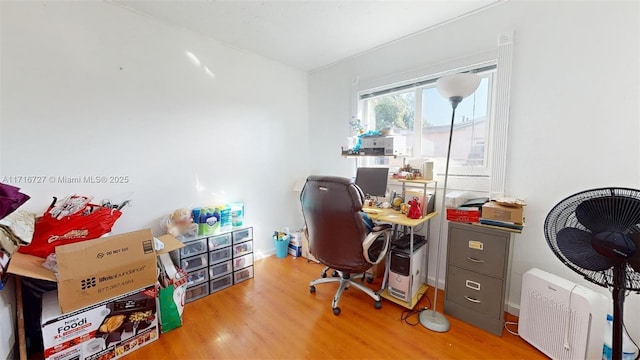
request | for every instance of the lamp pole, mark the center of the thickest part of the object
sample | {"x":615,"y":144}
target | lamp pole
{"x":455,"y":88}
{"x":431,"y":319}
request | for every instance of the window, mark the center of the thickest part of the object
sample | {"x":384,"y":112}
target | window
{"x":418,"y":112}
{"x":409,"y":103}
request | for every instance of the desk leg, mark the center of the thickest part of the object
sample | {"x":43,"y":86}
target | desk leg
{"x":410,"y":291}
{"x":387,"y":261}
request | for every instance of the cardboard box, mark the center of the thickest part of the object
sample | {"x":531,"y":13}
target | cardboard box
{"x":295,"y":245}
{"x":495,"y":211}
{"x":305,"y":249}
{"x":468,"y":215}
{"x":95,"y":270}
{"x":107,"y":330}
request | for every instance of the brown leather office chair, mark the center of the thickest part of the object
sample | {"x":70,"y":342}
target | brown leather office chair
{"x":337,"y":235}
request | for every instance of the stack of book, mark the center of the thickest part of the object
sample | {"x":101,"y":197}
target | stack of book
{"x":497,"y":213}
{"x":506,"y":224}
{"x":468,"y":215}
{"x":468,"y":212}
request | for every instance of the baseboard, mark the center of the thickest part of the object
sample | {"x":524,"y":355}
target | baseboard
{"x":513,"y":309}
{"x":432,"y":280}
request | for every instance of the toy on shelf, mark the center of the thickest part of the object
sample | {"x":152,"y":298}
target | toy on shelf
{"x":179,"y":223}
{"x":414,"y":209}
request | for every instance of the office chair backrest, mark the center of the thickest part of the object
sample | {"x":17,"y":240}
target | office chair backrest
{"x":331,"y":209}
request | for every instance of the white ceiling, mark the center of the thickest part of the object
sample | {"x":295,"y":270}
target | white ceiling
{"x":307,"y":35}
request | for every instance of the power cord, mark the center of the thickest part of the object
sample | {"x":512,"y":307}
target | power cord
{"x":506,"y":327}
{"x":406,"y":314}
{"x":633,"y":341}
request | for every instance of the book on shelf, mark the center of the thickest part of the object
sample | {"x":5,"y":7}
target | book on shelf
{"x":468,"y":215}
{"x":506,"y":224}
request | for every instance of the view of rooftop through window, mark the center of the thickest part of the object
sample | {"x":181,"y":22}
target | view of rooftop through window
{"x":422,"y":115}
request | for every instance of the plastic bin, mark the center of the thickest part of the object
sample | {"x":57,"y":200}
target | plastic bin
{"x":282,"y":246}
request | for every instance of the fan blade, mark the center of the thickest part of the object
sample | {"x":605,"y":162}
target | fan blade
{"x":634,"y":260}
{"x":609,"y":213}
{"x":575,"y":245}
{"x":613,"y":245}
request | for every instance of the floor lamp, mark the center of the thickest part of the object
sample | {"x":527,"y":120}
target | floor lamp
{"x":455,"y":88}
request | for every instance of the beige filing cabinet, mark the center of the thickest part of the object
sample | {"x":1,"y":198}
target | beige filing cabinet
{"x":476,"y":282}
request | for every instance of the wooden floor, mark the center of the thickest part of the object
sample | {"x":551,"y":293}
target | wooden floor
{"x":274,"y":316}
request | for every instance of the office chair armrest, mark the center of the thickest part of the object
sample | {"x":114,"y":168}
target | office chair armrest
{"x":378,"y":230}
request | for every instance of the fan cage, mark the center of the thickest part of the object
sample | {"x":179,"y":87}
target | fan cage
{"x":563,"y":215}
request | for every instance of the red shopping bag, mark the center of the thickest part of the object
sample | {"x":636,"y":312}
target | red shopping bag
{"x":90,"y":222}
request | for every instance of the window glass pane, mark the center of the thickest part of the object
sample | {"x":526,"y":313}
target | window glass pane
{"x":470,"y":128}
{"x":395,"y":112}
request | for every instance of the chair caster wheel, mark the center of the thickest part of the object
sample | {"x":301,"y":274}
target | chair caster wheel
{"x":370,"y":280}
{"x":335,"y":274}
{"x":336,"y":311}
{"x":312,"y":289}
{"x":323,"y":275}
{"x":378,"y":304}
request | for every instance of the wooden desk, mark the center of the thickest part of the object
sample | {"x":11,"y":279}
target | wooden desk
{"x":396,"y":218}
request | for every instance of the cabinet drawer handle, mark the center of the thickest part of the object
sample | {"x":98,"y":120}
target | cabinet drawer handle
{"x":472,"y":285}
{"x":475,"y":260}
{"x":475,"y":301}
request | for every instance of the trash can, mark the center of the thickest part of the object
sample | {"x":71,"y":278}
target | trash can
{"x":282,"y":246}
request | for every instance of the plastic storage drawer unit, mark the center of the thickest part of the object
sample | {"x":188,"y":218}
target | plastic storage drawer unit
{"x":243,"y":261}
{"x":220,"y":255}
{"x":194,"y":263}
{"x":220,"y":241}
{"x":242,"y":275}
{"x":216,"y":261}
{"x":242,"y":248}
{"x":194,"y":248}
{"x":219,"y":269}
{"x":221,"y":283}
{"x":197,"y":277}
{"x":196,"y":292}
{"x":242,"y":235}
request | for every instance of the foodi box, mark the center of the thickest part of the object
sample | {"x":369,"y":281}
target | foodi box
{"x":107,"y":330}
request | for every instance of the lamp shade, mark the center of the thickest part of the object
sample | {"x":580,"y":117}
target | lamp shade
{"x":458,"y":85}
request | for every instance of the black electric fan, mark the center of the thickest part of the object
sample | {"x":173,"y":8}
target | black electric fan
{"x":596,"y":233}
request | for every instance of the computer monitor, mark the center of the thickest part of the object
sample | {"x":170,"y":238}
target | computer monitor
{"x":373,"y":180}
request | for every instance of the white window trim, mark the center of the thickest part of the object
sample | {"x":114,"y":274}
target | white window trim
{"x":501,"y":117}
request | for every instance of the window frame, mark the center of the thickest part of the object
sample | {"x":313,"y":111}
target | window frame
{"x":415,"y":137}
{"x":501,"y":57}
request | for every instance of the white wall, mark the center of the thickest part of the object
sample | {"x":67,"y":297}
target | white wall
{"x":574,"y":118}
{"x":89,"y":88}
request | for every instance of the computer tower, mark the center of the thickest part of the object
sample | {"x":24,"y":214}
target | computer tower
{"x":406,"y":270}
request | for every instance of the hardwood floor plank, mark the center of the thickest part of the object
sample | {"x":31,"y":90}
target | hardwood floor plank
{"x":274,"y":316}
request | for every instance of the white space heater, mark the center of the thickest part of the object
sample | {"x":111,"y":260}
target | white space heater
{"x":560,"y":318}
